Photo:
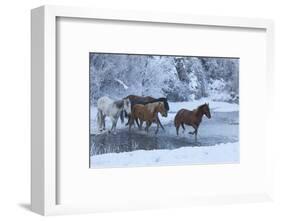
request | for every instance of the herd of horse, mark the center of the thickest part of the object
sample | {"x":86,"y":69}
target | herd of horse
{"x":140,"y":109}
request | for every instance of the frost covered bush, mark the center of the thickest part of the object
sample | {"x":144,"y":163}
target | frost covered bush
{"x":177,"y":78}
{"x":216,"y":90}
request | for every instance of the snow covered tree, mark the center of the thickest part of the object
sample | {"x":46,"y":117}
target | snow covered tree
{"x":174,"y":77}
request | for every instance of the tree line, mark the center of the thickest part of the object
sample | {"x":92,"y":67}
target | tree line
{"x":175,"y":77}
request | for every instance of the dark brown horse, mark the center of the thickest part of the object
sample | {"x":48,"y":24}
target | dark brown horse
{"x":134,"y":99}
{"x":137,"y":98}
{"x":191,"y":118}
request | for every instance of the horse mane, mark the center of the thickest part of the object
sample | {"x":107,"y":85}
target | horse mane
{"x":161,"y":99}
{"x":199,"y":108}
{"x":132,"y":96}
{"x":166,"y":104}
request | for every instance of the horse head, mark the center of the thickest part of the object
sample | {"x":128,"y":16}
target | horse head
{"x":161,"y":108}
{"x":166,"y":104}
{"x":206,"y":110}
{"x":127,"y":105}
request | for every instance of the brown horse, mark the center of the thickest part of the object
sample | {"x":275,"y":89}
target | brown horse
{"x":147,"y":113}
{"x":191,"y":118}
{"x":134,"y":99}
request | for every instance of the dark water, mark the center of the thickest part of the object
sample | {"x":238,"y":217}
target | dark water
{"x":223,"y":127}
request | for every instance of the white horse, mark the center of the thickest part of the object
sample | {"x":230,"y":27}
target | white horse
{"x":112,"y":109}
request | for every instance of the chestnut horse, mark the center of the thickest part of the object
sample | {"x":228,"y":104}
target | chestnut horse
{"x":134,"y":99}
{"x":191,"y":118}
{"x":148,"y":113}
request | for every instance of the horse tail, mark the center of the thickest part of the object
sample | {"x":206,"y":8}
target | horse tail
{"x":176,"y":120}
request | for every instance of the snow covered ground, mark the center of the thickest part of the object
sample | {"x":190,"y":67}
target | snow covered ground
{"x":220,"y":153}
{"x":218,"y":140}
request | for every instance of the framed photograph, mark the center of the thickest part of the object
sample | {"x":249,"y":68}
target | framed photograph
{"x":138,"y":110}
{"x":170,"y":95}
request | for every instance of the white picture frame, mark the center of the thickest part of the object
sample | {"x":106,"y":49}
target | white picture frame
{"x":44,"y":103}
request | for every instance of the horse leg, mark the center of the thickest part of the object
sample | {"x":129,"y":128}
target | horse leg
{"x":147,"y":126}
{"x":177,"y":125}
{"x":122,"y":116}
{"x":103,"y":121}
{"x":114,"y":122}
{"x":114,"y":125}
{"x":182,"y":125}
{"x":158,"y":120}
{"x":130,"y":122}
{"x":137,"y":121}
{"x":129,"y":117}
{"x":140,"y":126}
{"x":195,"y":132}
{"x":100,"y":120}
{"x":177,"y":130}
{"x":195,"y":128}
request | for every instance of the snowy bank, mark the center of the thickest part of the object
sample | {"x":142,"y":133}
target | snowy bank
{"x":220,"y":153}
{"x":215,"y":106}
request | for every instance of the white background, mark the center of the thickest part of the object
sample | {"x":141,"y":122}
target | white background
{"x":15,"y":108}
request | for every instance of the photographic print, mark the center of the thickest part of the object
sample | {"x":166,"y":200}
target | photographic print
{"x":161,"y":110}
